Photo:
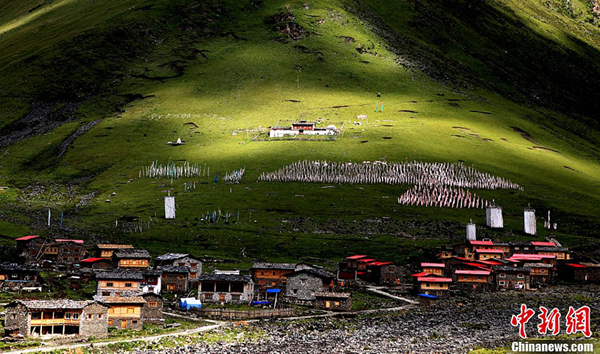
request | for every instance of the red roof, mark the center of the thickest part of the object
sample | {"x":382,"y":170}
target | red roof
{"x":363,"y":260}
{"x":25,"y":238}
{"x":481,"y":243}
{"x":67,"y":240}
{"x":361,"y":273}
{"x":575,"y":265}
{"x":433,"y":265}
{"x":435,"y":280}
{"x":543,"y":243}
{"x":531,"y":256}
{"x":490,"y":262}
{"x":489,"y":251}
{"x":475,"y":265}
{"x":381,"y":263}
{"x":473,"y":272}
{"x":421,"y":274}
{"x":92,"y":260}
{"x":356,"y":257}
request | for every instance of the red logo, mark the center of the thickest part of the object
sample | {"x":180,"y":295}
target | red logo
{"x":576,"y":320}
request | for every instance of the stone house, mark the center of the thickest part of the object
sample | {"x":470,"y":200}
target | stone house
{"x":134,"y":259}
{"x":270,"y":275}
{"x":152,"y":309}
{"x":56,"y":317}
{"x":125,"y":312}
{"x":14,"y":276}
{"x":58,"y":251}
{"x":333,"y":301}
{"x":513,"y":278}
{"x":118,"y":282}
{"x":181,"y":260}
{"x":580,"y":272}
{"x":174,"y":280}
{"x":541,"y":273}
{"x":302,"y":285}
{"x":225,"y":288}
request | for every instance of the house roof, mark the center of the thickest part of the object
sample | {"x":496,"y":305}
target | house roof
{"x":379,"y":263}
{"x":332,"y":295}
{"x":432,"y":265}
{"x":435,"y":280}
{"x":537,"y":265}
{"x":53,"y":304}
{"x":575,"y":265}
{"x":93,"y":260}
{"x":488,"y":251}
{"x":120,"y":274}
{"x":363,"y":260}
{"x":512,"y":269}
{"x":322,"y":273}
{"x":281,"y":266}
{"x":132,"y":253}
{"x":473,"y":272}
{"x":175,"y":269}
{"x":481,"y":243}
{"x":225,"y":277}
{"x":543,"y":243}
{"x":526,"y":256}
{"x":421,"y":274}
{"x":356,"y":256}
{"x":26,"y":238}
{"x":551,"y":249}
{"x":16,"y":266}
{"x":123,"y":300}
{"x":69,"y":240}
{"x":171,"y":256}
{"x":112,"y":246}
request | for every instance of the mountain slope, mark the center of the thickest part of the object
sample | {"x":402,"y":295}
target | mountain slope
{"x":105,"y":96}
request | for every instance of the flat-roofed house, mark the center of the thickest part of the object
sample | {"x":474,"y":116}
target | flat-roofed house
{"x":56,"y":317}
{"x":270,"y":275}
{"x":512,"y":278}
{"x":433,"y":268}
{"x":302,"y":285}
{"x":432,"y":285}
{"x":118,"y":282}
{"x":135,"y":259}
{"x":125,"y":312}
{"x":474,"y":279}
{"x":225,"y":288}
{"x":152,"y":312}
{"x":174,"y":280}
{"x":15,"y":277}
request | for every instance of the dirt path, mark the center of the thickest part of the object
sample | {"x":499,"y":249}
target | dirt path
{"x":380,"y":292}
{"x":103,"y":344}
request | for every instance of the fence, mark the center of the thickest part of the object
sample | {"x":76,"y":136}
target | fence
{"x":228,"y":314}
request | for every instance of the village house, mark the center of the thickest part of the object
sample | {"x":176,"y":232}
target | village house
{"x":474,"y":279}
{"x":302,"y":127}
{"x":485,"y":254}
{"x":125,"y":312}
{"x":134,"y":259}
{"x":270,"y":275}
{"x":174,"y":280}
{"x":333,"y":301}
{"x":541,"y":273}
{"x":97,"y":263}
{"x":152,"y":281}
{"x":561,"y":253}
{"x":433,"y":268}
{"x":432,"y":285}
{"x":152,"y":309}
{"x":106,"y":250}
{"x":180,"y":260}
{"x":118,"y":282}
{"x":513,"y":278}
{"x":15,"y":277}
{"x":56,"y":317}
{"x":58,"y":251}
{"x":580,"y":272}
{"x":530,"y":257}
{"x":302,"y":285}
{"x":225,"y":288}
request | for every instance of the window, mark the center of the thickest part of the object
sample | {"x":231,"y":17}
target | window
{"x":262,"y":273}
{"x":502,"y":275}
{"x":100,"y":316}
{"x":68,"y":315}
{"x":520,"y":276}
{"x":465,"y":277}
{"x":91,"y":316}
{"x":501,"y":282}
{"x":75,"y":316}
{"x":134,"y":322}
{"x":337,"y":303}
{"x":109,"y":284}
{"x":182,"y":264}
{"x":130,"y":310}
{"x":153,"y":304}
{"x":273,"y":273}
{"x":295,"y":292}
{"x":194,"y":265}
{"x":192,"y":275}
{"x":34,"y":316}
{"x":128,"y":285}
{"x":478,"y":278}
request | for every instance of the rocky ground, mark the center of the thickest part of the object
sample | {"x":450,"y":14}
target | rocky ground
{"x":455,"y":326}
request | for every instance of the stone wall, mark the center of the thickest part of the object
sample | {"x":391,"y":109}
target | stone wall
{"x":94,"y":321}
{"x":303,"y":287}
{"x":17,"y":319}
{"x":152,"y":314}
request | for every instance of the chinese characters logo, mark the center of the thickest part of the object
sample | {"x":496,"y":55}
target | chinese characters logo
{"x":576,"y":320}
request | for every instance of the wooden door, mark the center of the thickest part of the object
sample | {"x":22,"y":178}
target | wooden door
{"x":123,"y":324}
{"x":222,"y":297}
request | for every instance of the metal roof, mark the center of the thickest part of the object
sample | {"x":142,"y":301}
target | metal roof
{"x":132,"y":253}
{"x":171,"y":256}
{"x":433,"y":265}
{"x":473,"y":272}
{"x":282,"y":266}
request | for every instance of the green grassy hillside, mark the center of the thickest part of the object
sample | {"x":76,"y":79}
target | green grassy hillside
{"x":147,"y":72}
